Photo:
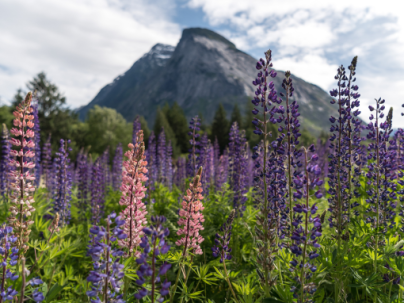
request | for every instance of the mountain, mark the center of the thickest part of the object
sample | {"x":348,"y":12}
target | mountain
{"x":202,"y":71}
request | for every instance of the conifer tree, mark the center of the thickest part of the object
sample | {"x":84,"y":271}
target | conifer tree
{"x":162,"y":122}
{"x":220,"y":128}
{"x":236,"y":116}
{"x":178,"y":122}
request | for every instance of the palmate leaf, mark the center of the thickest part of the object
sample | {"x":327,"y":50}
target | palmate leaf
{"x":203,"y":275}
{"x":187,"y":295}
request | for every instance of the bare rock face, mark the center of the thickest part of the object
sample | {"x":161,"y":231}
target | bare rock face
{"x":203,"y":70}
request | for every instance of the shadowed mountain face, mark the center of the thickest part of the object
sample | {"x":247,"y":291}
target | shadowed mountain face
{"x":203,"y":70}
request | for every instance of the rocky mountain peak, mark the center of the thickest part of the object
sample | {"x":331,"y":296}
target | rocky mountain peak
{"x":202,"y":71}
{"x":159,"y":54}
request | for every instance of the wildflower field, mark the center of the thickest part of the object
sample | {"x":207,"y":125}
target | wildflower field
{"x":276,"y":222}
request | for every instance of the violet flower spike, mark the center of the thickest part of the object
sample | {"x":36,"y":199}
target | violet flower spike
{"x":107,"y":276}
{"x":153,"y":244}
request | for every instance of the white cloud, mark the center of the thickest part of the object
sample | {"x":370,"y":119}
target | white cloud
{"x":81,"y":45}
{"x":311,"y":38}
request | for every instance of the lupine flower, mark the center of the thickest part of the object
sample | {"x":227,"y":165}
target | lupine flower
{"x":84,"y":177}
{"x":307,"y":229}
{"x":194,"y":151}
{"x":161,"y":157}
{"x":204,"y":160}
{"x":97,"y":191}
{"x":136,"y":128}
{"x":345,"y":150}
{"x":216,"y":159}
{"x":21,"y":178}
{"x":180,"y":173}
{"x":8,"y":257}
{"x":270,"y":175}
{"x":117,"y":167}
{"x":380,"y":176}
{"x":151,"y":161}
{"x":133,"y":191}
{"x":62,"y":194}
{"x":169,"y":166}
{"x":238,"y":168}
{"x":222,"y":171}
{"x":290,"y":115}
{"x":222,"y":240}
{"x":4,"y":161}
{"x":191,"y":218}
{"x":47,"y":163}
{"x":153,"y":247}
{"x":106,"y":172}
{"x":106,"y":278}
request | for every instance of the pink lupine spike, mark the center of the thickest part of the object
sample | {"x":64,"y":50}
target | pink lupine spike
{"x":20,"y":178}
{"x":133,"y":191}
{"x":191,"y":217}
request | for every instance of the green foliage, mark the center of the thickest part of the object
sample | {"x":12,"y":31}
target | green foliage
{"x":178,"y":123}
{"x":104,"y":128}
{"x":6,"y":116}
{"x":220,"y":128}
{"x":236,"y":117}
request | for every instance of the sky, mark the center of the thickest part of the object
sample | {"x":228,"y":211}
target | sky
{"x":83,"y":45}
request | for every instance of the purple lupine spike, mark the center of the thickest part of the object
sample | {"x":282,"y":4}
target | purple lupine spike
{"x":345,"y":151}
{"x":169,"y":166}
{"x":63,"y":180}
{"x":180,"y":173}
{"x":97,"y":191}
{"x":270,"y":175}
{"x":117,"y":167}
{"x":47,"y":161}
{"x":307,"y":229}
{"x":201,"y":160}
{"x":161,"y":157}
{"x":290,"y":116}
{"x":222,"y":241}
{"x":210,"y":165}
{"x":107,"y":276}
{"x":151,"y":161}
{"x":381,"y":182}
{"x":250,"y":168}
{"x":4,"y":161}
{"x":153,"y":244}
{"x":84,"y":176}
{"x":9,"y":258}
{"x":216,"y":157}
{"x":223,"y":170}
{"x":136,"y":128}
{"x":194,"y":151}
{"x":106,"y":177}
{"x":238,"y":168}
{"x":37,"y":148}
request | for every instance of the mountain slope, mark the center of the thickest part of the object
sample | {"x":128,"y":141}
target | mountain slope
{"x":203,"y":70}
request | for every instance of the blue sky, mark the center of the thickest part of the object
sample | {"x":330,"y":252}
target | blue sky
{"x":84,"y":44}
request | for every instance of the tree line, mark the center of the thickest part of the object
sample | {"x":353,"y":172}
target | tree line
{"x":104,"y":127}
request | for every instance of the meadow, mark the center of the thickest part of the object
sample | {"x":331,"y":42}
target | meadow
{"x":275,"y":222}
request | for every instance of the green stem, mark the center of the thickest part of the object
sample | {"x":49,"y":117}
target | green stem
{"x":176,"y":283}
{"x":228,"y":281}
{"x":23,"y":281}
{"x":187,"y":276}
